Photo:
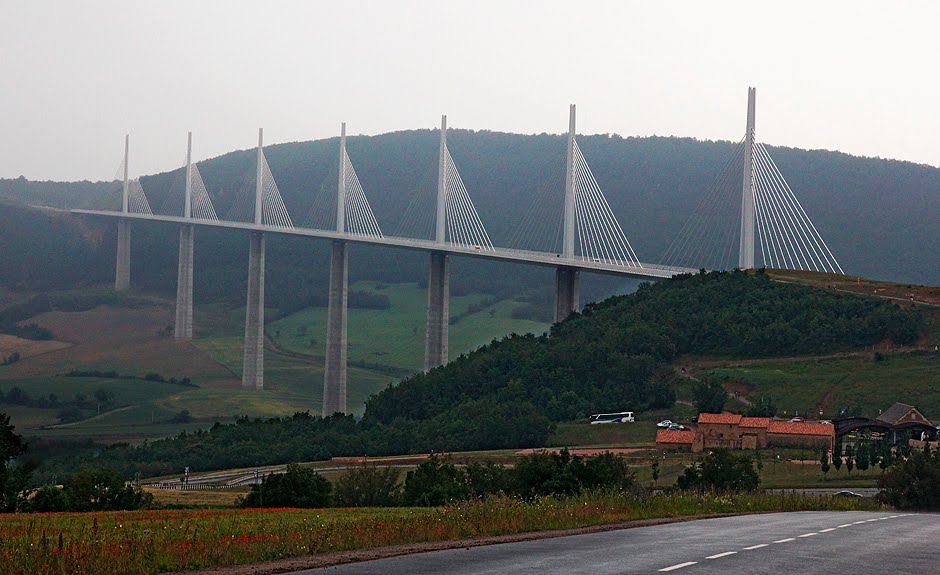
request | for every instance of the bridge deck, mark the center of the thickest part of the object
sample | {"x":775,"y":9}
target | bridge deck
{"x":647,"y":271}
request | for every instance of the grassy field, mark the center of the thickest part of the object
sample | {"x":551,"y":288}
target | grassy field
{"x":133,"y":341}
{"x":148,"y":542}
{"x":394,"y":337}
{"x":862,"y":383}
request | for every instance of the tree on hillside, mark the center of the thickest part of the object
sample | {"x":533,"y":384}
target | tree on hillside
{"x":764,"y":406}
{"x":710,"y":398}
{"x":824,"y":461}
{"x":13,"y":478}
{"x":837,"y":456}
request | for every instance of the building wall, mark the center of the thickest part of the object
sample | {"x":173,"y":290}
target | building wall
{"x":793,"y":440}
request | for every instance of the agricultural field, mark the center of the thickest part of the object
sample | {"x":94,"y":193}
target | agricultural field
{"x":860,"y":383}
{"x":149,"y":542}
{"x":134,"y":340}
{"x":394,"y":338}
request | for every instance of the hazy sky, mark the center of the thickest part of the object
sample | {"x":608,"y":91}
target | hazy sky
{"x":861,"y":77}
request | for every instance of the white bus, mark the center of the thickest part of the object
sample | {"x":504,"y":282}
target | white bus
{"x":622,"y":417}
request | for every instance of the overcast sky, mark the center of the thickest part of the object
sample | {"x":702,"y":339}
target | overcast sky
{"x":861,"y":77}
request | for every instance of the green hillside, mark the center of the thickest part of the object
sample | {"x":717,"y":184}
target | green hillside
{"x":620,"y":354}
{"x":878,"y":216}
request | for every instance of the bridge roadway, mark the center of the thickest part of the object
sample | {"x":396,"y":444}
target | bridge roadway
{"x":648,"y":271}
{"x":861,"y":543}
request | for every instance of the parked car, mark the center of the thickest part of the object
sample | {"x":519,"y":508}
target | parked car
{"x":676,"y":427}
{"x":664,"y":423}
{"x":846,"y":494}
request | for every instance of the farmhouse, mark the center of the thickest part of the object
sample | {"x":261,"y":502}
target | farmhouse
{"x":734,"y":431}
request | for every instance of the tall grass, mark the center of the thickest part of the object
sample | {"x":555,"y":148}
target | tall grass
{"x":147,"y":542}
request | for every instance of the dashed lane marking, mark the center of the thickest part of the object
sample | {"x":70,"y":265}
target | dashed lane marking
{"x":720,"y":555}
{"x":844,"y":525}
{"x":807,"y":534}
{"x":678,"y":566}
{"x":785,"y":540}
{"x":827,"y":530}
{"x":755,"y":546}
{"x":858,"y":522}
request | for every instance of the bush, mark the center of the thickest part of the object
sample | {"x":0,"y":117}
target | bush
{"x":368,"y":486}
{"x":913,"y":483}
{"x":102,"y":490}
{"x":296,"y":487}
{"x":720,"y":471}
{"x":48,"y":499}
{"x":435,"y":481}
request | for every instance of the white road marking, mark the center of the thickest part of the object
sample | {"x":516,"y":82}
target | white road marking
{"x":755,"y":546}
{"x":858,"y":522}
{"x":844,"y":525}
{"x":784,"y":540}
{"x":870,"y":520}
{"x":679,"y":566}
{"x":827,"y":530}
{"x":893,"y":517}
{"x":720,"y":555}
{"x":807,"y":535}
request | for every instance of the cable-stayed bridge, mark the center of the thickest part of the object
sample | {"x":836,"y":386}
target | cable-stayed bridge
{"x":768,"y":217}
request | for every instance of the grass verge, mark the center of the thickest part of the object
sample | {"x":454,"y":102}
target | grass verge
{"x":148,"y":542}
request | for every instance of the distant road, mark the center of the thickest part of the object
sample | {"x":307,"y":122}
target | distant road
{"x":858,"y":543}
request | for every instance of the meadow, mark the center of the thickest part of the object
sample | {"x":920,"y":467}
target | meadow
{"x":149,"y":542}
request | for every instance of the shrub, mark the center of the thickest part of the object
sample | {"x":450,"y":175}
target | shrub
{"x":102,"y":490}
{"x":49,"y":498}
{"x":296,"y":487}
{"x":435,"y":481}
{"x":368,"y":486}
{"x":721,"y":471}
{"x":913,"y":483}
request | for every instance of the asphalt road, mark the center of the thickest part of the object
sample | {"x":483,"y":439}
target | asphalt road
{"x":855,"y":543}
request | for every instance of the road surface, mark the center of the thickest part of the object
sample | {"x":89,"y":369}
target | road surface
{"x":856,"y":543}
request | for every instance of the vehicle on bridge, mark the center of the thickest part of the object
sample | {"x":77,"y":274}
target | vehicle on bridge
{"x":622,"y":417}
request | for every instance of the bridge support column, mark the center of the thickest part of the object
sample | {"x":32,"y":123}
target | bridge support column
{"x":435,"y":351}
{"x":253,"y":360}
{"x":184,"y":286}
{"x":567,"y":292}
{"x":122,"y":268}
{"x":334,"y":377}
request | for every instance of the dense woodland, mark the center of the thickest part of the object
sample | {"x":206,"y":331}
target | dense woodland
{"x":878,"y":216}
{"x":617,"y":355}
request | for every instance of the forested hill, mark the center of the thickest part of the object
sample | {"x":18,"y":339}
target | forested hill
{"x":617,"y":355}
{"x":879,"y":216}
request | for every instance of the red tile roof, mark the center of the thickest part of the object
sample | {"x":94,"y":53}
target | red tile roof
{"x":681,"y":437}
{"x":722,"y":418}
{"x":755,"y":422}
{"x":788,"y":428}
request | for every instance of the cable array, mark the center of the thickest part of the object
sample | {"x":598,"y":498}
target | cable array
{"x":200,"y":202}
{"x":273,"y":212}
{"x":786,"y":236}
{"x":137,"y":199}
{"x":600,"y":237}
{"x":710,"y":235}
{"x":359,"y":217}
{"x":464,"y":226}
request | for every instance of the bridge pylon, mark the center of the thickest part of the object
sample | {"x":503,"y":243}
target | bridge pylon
{"x":334,"y":372}
{"x":183,"y":329}
{"x":436,"y":337}
{"x":122,"y":265}
{"x":567,"y":279}
{"x":253,"y":358}
{"x":746,"y":250}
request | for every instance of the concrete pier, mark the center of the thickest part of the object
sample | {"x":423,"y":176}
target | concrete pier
{"x":253,"y":361}
{"x":438,"y":312}
{"x":567,"y":292}
{"x":334,"y":377}
{"x":122,"y":268}
{"x":184,"y":286}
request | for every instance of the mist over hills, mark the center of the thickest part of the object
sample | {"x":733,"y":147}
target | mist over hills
{"x":878,"y":216}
